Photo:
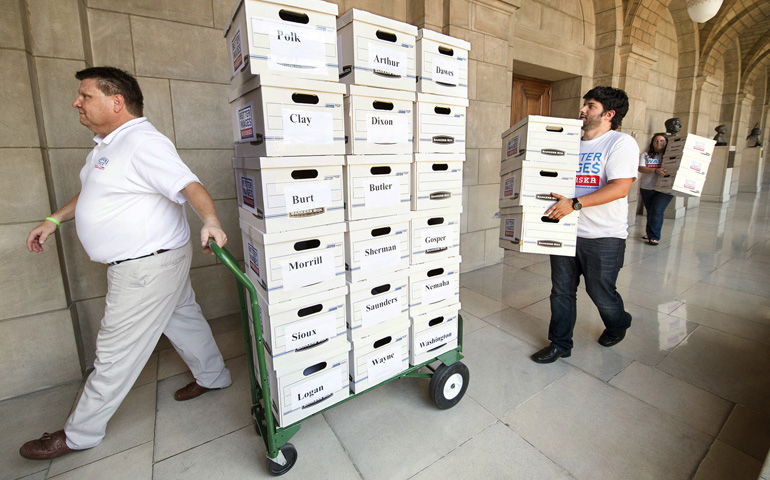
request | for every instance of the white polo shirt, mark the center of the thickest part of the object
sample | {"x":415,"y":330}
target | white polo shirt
{"x":130,"y":201}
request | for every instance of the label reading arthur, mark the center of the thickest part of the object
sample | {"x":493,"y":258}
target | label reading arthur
{"x":386,"y":60}
{"x":301,"y":271}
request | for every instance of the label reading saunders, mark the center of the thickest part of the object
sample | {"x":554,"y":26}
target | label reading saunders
{"x":380,"y":308}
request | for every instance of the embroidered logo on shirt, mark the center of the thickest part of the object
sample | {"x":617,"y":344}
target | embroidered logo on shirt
{"x":101,"y":163}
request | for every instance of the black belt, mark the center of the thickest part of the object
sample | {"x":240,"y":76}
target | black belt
{"x":137,"y":258}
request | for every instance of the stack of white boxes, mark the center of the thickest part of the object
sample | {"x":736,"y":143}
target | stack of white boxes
{"x":540,"y":156}
{"x":687,"y":160}
{"x":288,"y":127}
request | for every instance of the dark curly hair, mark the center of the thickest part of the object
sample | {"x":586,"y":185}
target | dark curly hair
{"x":611,"y":99}
{"x":114,"y":81}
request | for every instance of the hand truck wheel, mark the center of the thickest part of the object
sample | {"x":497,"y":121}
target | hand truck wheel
{"x":448,"y":384}
{"x":290,"y":456}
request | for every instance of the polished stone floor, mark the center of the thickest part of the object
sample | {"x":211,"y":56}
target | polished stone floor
{"x":685,"y":395}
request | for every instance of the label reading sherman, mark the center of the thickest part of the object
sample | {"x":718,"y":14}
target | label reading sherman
{"x":293,"y":47}
{"x":436,"y":239}
{"x":246,"y":122}
{"x":434,"y":337}
{"x":309,"y":332}
{"x":387,"y":60}
{"x":301,"y":271}
{"x":438,"y":289}
{"x":445,"y":70}
{"x":386,"y":128}
{"x":306,"y":199}
{"x":315,"y":390}
{"x":380,"y":255}
{"x":307,"y":127}
{"x":380,"y":308}
{"x":384,"y":363}
{"x":247,"y":191}
{"x":382,"y":192}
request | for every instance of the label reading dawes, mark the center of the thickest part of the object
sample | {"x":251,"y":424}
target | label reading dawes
{"x":445,"y":70}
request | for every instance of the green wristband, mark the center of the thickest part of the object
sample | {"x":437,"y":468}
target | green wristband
{"x":54,"y":221}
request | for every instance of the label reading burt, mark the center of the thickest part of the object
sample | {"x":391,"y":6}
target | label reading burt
{"x":307,"y":198}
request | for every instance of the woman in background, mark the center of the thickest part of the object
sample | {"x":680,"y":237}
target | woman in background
{"x":650,"y":168}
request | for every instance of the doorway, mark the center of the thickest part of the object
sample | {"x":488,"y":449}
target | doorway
{"x":529,"y":96}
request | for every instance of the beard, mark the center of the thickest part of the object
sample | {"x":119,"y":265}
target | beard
{"x":590,"y":123}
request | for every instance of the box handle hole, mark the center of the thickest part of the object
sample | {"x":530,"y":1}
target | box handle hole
{"x":436,"y":221}
{"x":442,"y":110}
{"x":549,"y":220}
{"x":306,"y":98}
{"x":382,"y":341}
{"x":435,"y":321}
{"x":554,"y":128}
{"x":387,"y":36}
{"x":440,"y":167}
{"x":446,"y":51}
{"x":435,"y":272}
{"x":381,"y":289}
{"x":378,"y":105}
{"x":314,"y":368}
{"x":296,"y":17}
{"x":304,"y":312}
{"x":380,"y":170}
{"x":307,"y":245}
{"x":378,"y":232}
{"x":546,"y":173}
{"x":304,"y":174}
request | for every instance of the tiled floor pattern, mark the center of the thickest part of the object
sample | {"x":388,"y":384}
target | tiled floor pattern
{"x":685,"y":395}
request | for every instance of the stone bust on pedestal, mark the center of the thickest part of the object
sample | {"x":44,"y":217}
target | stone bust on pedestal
{"x":673,"y":125}
{"x":720,"y":136}
{"x":753,"y":138}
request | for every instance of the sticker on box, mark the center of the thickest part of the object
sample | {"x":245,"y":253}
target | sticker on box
{"x":246,"y":122}
{"x":508,"y":188}
{"x":510,"y":229}
{"x":236,"y":50}
{"x":247,"y":191}
{"x":512,"y":148}
{"x":253,"y":258}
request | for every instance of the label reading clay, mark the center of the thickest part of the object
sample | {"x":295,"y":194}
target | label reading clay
{"x":309,"y":332}
{"x":305,"y":127}
{"x":445,"y":70}
{"x":304,"y":270}
{"x":315,"y":390}
{"x":293,"y":47}
{"x":379,"y":255}
{"x":380,"y":309}
{"x":387,"y":129}
{"x":307,"y":197}
{"x":384,"y":363}
{"x":436,"y":239}
{"x":438,"y":289}
{"x":387,"y":60}
{"x":381,"y":192}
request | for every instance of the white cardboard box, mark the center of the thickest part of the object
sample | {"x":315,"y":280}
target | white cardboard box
{"x":303,"y":323}
{"x":685,"y":160}
{"x":437,"y":181}
{"x":378,"y":121}
{"x":442,"y":64}
{"x":549,"y":141}
{"x":527,"y":229}
{"x":304,"y":383}
{"x":439,"y":124}
{"x":283,"y":37}
{"x":681,"y":183}
{"x":532,"y":186}
{"x":434,"y":285}
{"x":691,"y":143}
{"x":377,"y":186}
{"x":376,"y":246}
{"x":277,"y":116}
{"x":433,"y":333}
{"x":375,"y":302}
{"x":376,"y":51}
{"x":435,"y":235}
{"x":377,"y":358}
{"x":289,"y":193}
{"x":292,"y":264}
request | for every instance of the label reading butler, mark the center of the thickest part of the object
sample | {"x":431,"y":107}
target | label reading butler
{"x":381,"y":192}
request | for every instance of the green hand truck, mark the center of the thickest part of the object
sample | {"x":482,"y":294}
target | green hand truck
{"x":448,"y":381}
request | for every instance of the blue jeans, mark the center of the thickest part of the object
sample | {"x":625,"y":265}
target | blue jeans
{"x":655,"y":203}
{"x":599,"y":261}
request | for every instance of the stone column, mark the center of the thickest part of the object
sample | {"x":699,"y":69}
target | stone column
{"x":742,"y":129}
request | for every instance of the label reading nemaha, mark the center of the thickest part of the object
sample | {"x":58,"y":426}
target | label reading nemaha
{"x":438,"y":289}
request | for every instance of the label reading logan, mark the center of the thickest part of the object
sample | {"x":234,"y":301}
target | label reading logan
{"x":316,"y":389}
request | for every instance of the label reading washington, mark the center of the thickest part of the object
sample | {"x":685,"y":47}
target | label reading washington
{"x":435,"y":337}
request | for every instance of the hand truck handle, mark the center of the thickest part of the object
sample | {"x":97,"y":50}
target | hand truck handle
{"x":232,"y":264}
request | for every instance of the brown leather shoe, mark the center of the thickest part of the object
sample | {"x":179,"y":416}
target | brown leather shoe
{"x":50,"y":445}
{"x":190,"y":391}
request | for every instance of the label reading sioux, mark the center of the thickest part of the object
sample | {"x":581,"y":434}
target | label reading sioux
{"x":384,"y":363}
{"x":311,"y":331}
{"x":380,"y":309}
{"x":293,"y":47}
{"x":381,"y":192}
{"x":438,"y":289}
{"x":306,"y":127}
{"x":307,"y":197}
{"x":316,"y":389}
{"x":434,"y":337}
{"x":384,"y":128}
{"x":379,"y":255}
{"x":445,"y":70}
{"x":301,"y":271}
{"x":436,"y":239}
{"x":387,"y":60}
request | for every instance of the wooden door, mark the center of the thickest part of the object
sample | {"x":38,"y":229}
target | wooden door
{"x":530,"y":96}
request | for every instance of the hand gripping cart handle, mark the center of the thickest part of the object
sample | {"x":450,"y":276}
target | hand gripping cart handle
{"x":448,"y":381}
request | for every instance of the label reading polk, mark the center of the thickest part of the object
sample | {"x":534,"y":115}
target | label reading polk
{"x":384,"y":363}
{"x":380,"y":309}
{"x":436,"y":290}
{"x":445,"y":70}
{"x":387,"y":60}
{"x":315,"y":390}
{"x":307,"y":269}
{"x":305,"y":127}
{"x":434,"y":337}
{"x":246,"y":122}
{"x":307,"y":197}
{"x":382,"y":192}
{"x":383,"y":128}
{"x":247,"y":191}
{"x":380,"y":255}
{"x":311,"y":331}
{"x":436,"y":239}
{"x":293,"y":47}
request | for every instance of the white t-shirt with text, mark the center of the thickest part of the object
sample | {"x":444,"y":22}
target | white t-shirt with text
{"x":611,"y":156}
{"x":647,"y":180}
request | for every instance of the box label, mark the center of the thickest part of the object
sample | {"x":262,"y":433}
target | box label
{"x":246,"y":122}
{"x":434,"y":337}
{"x":690,"y":184}
{"x":254,"y":260}
{"x":437,"y":290}
{"x":293,"y":47}
{"x":384,"y":363}
{"x":512,"y":147}
{"x":309,"y":332}
{"x":315,"y":390}
{"x":247,"y":191}
{"x":236,"y":50}
{"x":509,"y":186}
{"x":380,"y":255}
{"x":436,"y":239}
{"x":306,"y":127}
{"x":382,"y":192}
{"x":306,"y":199}
{"x":380,"y":309}
{"x":509,"y":230}
{"x":445,"y":70}
{"x":301,"y":271}
{"x":387,"y":129}
{"x":390,"y":61}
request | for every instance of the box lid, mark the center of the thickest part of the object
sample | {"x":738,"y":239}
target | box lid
{"x":445,"y":263}
{"x":441,"y":38}
{"x":442,"y":99}
{"x":573,"y":122}
{"x":376,"y":20}
{"x":295,"y":361}
{"x":437,"y":212}
{"x":377,"y":159}
{"x":257,"y":163}
{"x":312,"y":5}
{"x":369,"y":223}
{"x":300,"y":302}
{"x":439,"y":157}
{"x":533,"y":211}
{"x":400,"y":277}
{"x":287,"y":82}
{"x":246,"y":223}
{"x":380,"y":93}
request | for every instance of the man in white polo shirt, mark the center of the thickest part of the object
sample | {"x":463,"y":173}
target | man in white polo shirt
{"x":130,"y":215}
{"x":608,"y":166}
